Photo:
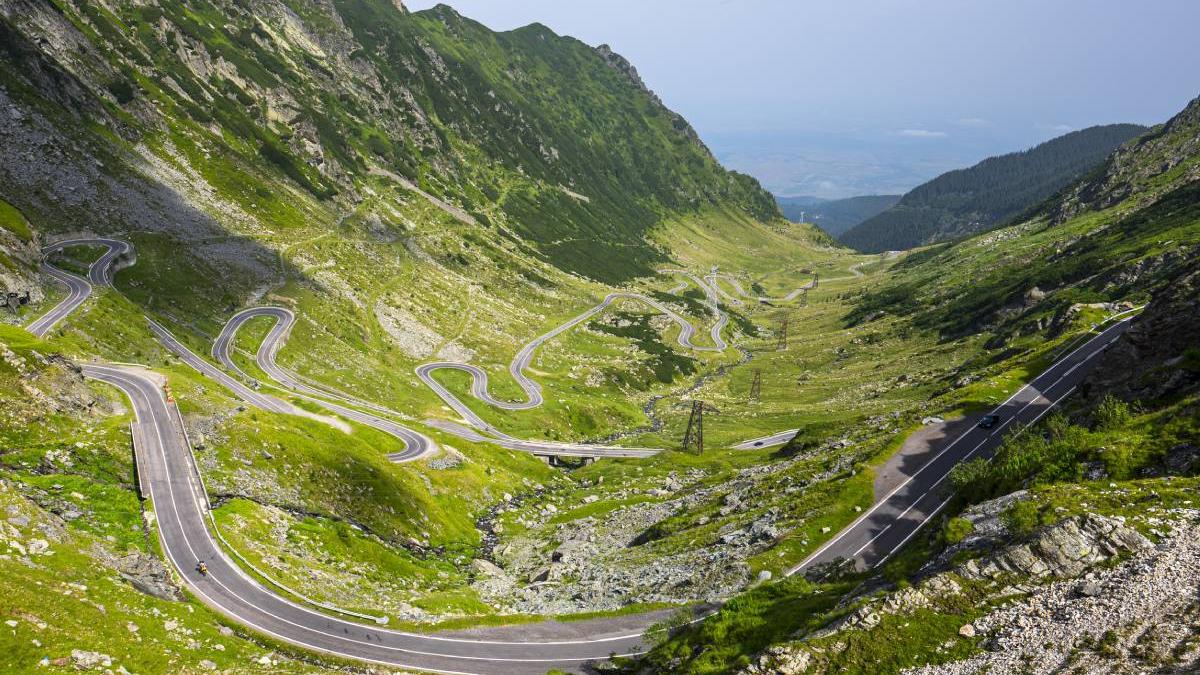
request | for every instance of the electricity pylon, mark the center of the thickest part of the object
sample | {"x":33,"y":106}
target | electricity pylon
{"x":693,"y":438}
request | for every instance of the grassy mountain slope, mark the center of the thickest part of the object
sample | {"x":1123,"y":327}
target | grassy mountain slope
{"x":1024,"y":278}
{"x":969,"y":201}
{"x":1122,"y":452}
{"x":419,"y":188}
{"x":415,"y":187}
{"x":528,"y":131}
{"x":835,"y":216}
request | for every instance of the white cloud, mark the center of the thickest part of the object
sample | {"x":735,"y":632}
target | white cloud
{"x":977,"y":122}
{"x":922,"y":133}
{"x":1060,"y":128}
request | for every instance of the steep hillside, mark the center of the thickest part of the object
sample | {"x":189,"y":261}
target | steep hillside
{"x":1140,"y":172}
{"x":1030,"y":277}
{"x":835,"y":216}
{"x":970,"y":201}
{"x":537,"y":134}
{"x":1073,"y":547}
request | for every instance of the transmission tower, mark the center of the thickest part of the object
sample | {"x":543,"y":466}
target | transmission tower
{"x":783,"y":332}
{"x":693,"y":438}
{"x":816,"y":278}
{"x":804,"y":298}
{"x":756,"y":386}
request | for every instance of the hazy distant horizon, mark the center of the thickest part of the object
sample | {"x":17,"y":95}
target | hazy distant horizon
{"x":868,"y":96}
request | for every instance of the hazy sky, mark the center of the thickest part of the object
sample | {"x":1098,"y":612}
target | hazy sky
{"x":855,"y":96}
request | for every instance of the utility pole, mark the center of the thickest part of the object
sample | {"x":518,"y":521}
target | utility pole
{"x":783,"y":333}
{"x":756,"y":386}
{"x":693,"y":438}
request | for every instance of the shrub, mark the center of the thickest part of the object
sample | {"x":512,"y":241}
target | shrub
{"x":122,"y":90}
{"x":957,"y":529}
{"x":1112,"y":414}
{"x":973,"y":474}
{"x":1022,"y":517}
{"x":1118,"y":461}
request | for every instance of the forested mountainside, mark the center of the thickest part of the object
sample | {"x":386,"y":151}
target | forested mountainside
{"x":534,"y":133}
{"x":835,"y":216}
{"x":1074,"y":548}
{"x":973,"y":200}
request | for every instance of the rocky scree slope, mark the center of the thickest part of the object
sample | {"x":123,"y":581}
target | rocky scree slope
{"x":555,"y":142}
{"x":974,"y":200}
{"x":1041,"y":603}
{"x":1140,"y":172}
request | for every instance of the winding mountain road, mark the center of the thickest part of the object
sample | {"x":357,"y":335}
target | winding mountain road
{"x":483,"y":430}
{"x":418,"y":445}
{"x":78,"y":289}
{"x":169,"y":474}
{"x":733,"y":281}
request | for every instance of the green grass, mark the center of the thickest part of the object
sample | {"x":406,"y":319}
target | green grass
{"x":14,"y":221}
{"x":67,"y":600}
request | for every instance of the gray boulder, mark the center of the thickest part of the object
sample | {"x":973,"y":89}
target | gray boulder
{"x":1062,"y":551}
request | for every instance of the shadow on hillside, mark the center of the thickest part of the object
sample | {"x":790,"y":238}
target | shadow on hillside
{"x":68,"y":182}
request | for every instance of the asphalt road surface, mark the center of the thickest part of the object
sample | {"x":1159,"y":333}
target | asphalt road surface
{"x":416,"y":444}
{"x":737,"y":286}
{"x":168,"y":474}
{"x":485,"y":431}
{"x":884,"y":529}
{"x":778,"y":438}
{"x":78,"y":289}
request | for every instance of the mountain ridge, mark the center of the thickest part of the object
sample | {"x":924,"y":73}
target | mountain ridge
{"x":972,"y":200}
{"x":322,"y":94}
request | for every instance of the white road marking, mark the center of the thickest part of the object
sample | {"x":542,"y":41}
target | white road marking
{"x":850,"y":528}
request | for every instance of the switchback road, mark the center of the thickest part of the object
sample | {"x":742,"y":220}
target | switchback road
{"x":169,"y":474}
{"x":78,"y":288}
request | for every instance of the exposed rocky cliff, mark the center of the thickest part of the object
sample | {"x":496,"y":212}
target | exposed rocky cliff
{"x":1135,"y":171}
{"x":1159,"y":357}
{"x":1059,"y":589}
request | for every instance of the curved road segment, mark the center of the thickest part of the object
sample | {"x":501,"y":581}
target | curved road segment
{"x":484,"y":431}
{"x":169,"y":474}
{"x":78,"y":289}
{"x":737,"y":286}
{"x":418,"y":444}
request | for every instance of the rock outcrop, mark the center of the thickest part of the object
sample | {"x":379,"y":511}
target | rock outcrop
{"x":1159,"y":356}
{"x":1130,"y":171}
{"x":1062,"y":551}
{"x":1139,"y":616}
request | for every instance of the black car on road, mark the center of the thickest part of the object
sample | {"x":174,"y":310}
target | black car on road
{"x":989,"y":421}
